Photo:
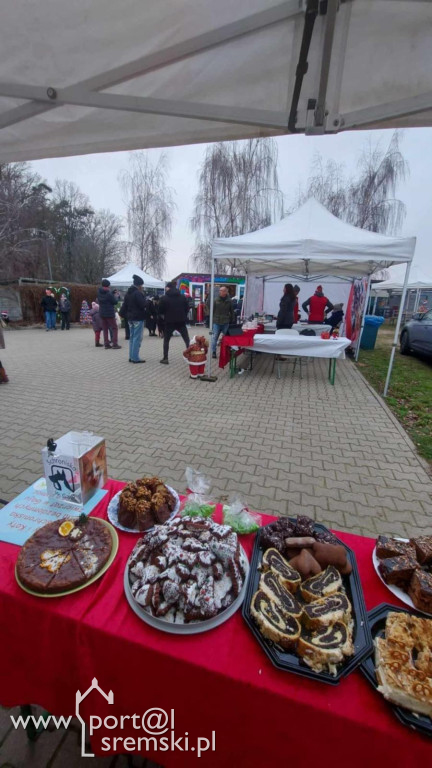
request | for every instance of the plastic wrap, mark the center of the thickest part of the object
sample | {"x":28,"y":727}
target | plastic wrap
{"x":239,"y":517}
{"x":197,"y":503}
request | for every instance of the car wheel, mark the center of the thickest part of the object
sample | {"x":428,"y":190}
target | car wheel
{"x":404,"y":344}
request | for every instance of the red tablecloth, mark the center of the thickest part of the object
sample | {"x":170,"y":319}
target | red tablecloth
{"x":218,"y":681}
{"x":244,"y":339}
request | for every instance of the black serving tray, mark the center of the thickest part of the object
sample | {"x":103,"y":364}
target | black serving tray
{"x":377,"y":619}
{"x":289,"y":661}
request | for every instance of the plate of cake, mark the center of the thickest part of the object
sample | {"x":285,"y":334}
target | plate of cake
{"x":400,"y":667}
{"x":405,"y":567}
{"x":188,"y":576}
{"x":65,"y":556}
{"x":304,"y":602}
{"x":142,"y":505}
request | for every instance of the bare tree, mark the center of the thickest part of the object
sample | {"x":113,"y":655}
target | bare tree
{"x":100,"y":249}
{"x":367,"y":200}
{"x":151,"y":207}
{"x":238,"y":192}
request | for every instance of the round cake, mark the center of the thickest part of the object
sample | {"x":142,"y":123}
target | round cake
{"x":189,"y":570}
{"x":145,"y":503}
{"x":64,"y":555}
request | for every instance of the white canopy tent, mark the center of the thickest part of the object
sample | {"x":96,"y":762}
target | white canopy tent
{"x":123,"y":278}
{"x":311,"y":243}
{"x":419,"y":281}
{"x":80,"y":77}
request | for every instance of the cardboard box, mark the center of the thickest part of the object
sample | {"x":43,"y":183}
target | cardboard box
{"x":76,"y":468}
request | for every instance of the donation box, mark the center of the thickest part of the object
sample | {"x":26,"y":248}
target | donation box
{"x":75,"y":467}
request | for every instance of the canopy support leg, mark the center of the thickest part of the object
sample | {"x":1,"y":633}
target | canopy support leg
{"x":209,"y":376}
{"x":398,"y":325}
{"x":363,"y":319}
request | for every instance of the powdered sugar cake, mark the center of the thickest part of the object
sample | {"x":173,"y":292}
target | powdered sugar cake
{"x":51,"y":562}
{"x":187,"y":571}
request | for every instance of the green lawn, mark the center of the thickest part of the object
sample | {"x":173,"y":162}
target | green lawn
{"x":410,"y":391}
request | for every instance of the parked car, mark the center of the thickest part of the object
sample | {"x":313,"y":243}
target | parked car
{"x":416,"y":335}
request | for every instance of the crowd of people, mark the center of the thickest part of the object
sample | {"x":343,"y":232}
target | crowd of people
{"x":316,"y":306}
{"x":169,"y":314}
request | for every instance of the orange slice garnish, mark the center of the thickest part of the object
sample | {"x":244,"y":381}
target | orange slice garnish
{"x":66,"y":528}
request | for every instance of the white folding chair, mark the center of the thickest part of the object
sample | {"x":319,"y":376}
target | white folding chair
{"x":277,"y":359}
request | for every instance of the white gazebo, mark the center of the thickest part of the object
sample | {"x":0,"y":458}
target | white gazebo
{"x":419,"y":281}
{"x":80,"y":77}
{"x":312,"y":243}
{"x":123,"y":278}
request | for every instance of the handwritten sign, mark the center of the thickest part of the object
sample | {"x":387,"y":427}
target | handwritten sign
{"x":33,"y":508}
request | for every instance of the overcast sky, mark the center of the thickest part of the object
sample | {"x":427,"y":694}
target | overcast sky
{"x":98,"y":177}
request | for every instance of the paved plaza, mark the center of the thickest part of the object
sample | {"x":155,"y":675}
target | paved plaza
{"x":288,"y":446}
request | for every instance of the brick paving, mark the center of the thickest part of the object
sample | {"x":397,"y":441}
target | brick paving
{"x":290,"y":445}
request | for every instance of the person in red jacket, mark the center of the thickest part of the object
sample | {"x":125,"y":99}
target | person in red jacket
{"x":296,"y":305}
{"x":316,"y":306}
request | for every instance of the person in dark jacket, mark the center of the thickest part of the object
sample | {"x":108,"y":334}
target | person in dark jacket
{"x":107,"y":300}
{"x":49,"y":306}
{"x":136,"y":304}
{"x":285,"y":318}
{"x":223,"y":315}
{"x":151,"y":317}
{"x":316,"y":306}
{"x":174,"y":308}
{"x":65,"y":306}
{"x":123,"y":315}
{"x":336,"y":316}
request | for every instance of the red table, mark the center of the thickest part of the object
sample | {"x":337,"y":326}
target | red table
{"x":244,"y":339}
{"x":218,"y":681}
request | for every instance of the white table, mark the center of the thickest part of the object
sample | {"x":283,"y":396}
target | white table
{"x":302,"y":346}
{"x":317,"y":327}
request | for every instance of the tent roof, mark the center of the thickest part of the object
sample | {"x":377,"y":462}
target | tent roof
{"x":418,"y":278}
{"x":124,"y":277}
{"x":312,"y":241}
{"x":80,"y":77}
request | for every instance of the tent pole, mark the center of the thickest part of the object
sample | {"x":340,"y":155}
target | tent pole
{"x":209,"y":359}
{"x":416,"y":301}
{"x":363,"y":318}
{"x":398,"y":325}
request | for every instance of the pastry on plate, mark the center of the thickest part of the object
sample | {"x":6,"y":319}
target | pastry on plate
{"x":325,"y":647}
{"x":420,"y":590}
{"x":327,"y":610}
{"x":273,"y":623}
{"x":325,"y":583}
{"x":398,"y":570}
{"x":274,"y":589}
{"x":288,"y":576}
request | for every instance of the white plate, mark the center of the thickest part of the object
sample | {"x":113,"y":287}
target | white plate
{"x":112,"y":513}
{"x":397,"y":591}
{"x":194,"y":627}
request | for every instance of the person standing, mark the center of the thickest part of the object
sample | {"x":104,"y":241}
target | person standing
{"x":223,"y":315}
{"x":96,"y":322}
{"x":65,"y":306}
{"x":174,"y":308}
{"x":285,"y":318}
{"x":49,"y":306}
{"x":296,"y":305}
{"x":107,"y":300}
{"x":316,"y":306}
{"x":3,"y":375}
{"x":136,"y":303}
